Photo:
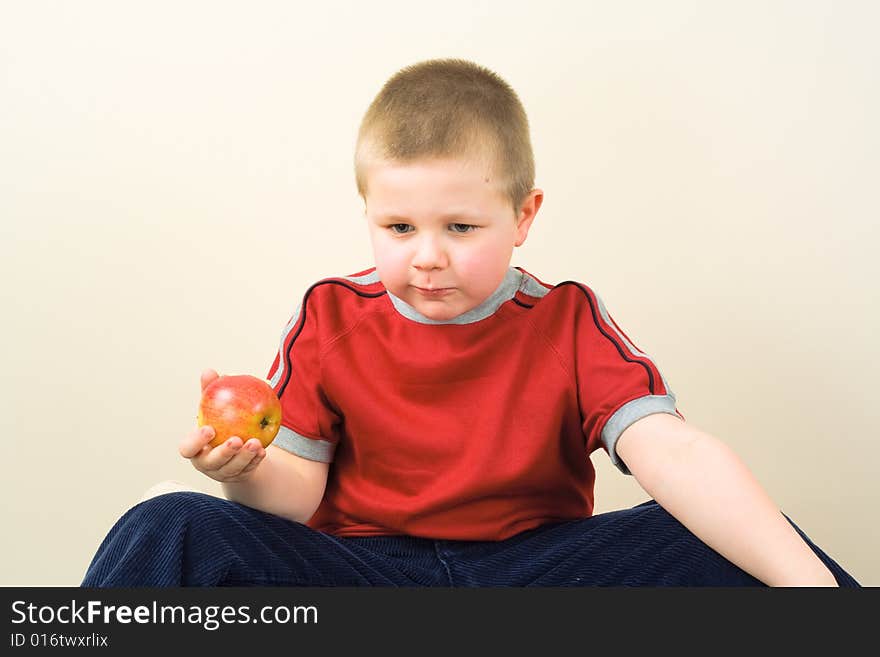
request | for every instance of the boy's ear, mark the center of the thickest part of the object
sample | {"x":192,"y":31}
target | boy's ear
{"x":527,"y":213}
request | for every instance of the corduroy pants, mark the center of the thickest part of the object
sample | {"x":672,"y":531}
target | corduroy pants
{"x":193,"y":539}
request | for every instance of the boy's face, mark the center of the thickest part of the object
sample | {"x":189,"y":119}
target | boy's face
{"x":442,"y":232}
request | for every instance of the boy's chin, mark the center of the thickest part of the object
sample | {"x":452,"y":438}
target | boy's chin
{"x":441,"y":316}
{"x":439,"y":311}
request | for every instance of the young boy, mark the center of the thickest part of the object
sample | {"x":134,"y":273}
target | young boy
{"x":439,"y":409}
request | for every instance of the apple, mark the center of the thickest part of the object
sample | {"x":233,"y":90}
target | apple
{"x":240,"y":405}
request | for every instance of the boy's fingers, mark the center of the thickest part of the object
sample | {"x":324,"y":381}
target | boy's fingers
{"x":255,"y":461}
{"x":246,"y":460}
{"x":208,"y":376}
{"x":231,"y":458}
{"x":195,"y":441}
{"x":257,"y":452}
{"x":216,"y":458}
{"x":225,"y":461}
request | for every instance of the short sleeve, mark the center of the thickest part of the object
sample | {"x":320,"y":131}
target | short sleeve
{"x":309,"y":425}
{"x":617,"y":383}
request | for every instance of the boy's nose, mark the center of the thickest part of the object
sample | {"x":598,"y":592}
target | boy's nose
{"x":429,"y":254}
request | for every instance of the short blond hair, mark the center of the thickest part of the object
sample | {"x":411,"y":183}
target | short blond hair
{"x":443,"y":108}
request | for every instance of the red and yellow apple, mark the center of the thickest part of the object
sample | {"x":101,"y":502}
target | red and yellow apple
{"x":240,"y":405}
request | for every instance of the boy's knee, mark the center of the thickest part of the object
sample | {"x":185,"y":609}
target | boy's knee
{"x":179,"y":502}
{"x":175,"y":508}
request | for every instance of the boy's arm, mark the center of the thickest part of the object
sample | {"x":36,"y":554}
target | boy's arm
{"x":706,"y":487}
{"x":284,"y":484}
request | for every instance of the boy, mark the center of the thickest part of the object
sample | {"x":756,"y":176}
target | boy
{"x":439,"y":408}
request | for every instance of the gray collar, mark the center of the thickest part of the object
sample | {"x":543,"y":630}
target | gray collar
{"x":504,"y":292}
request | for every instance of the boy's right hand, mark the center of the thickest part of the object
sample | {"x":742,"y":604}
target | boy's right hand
{"x":233,"y":461}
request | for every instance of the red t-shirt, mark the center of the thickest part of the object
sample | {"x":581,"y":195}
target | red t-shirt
{"x":475,"y":428}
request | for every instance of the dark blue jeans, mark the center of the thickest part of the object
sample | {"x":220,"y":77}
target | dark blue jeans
{"x":192,"y":539}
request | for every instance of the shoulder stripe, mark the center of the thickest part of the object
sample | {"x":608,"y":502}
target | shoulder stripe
{"x":623,"y":345}
{"x":279,"y":371}
{"x":629,"y":344}
{"x":298,"y":321}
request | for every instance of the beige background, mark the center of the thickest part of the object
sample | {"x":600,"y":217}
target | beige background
{"x":173,"y":175}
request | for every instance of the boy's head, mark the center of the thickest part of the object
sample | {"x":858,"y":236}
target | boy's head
{"x":444,"y":165}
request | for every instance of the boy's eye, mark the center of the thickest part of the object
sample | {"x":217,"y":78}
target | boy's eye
{"x":401,"y":229}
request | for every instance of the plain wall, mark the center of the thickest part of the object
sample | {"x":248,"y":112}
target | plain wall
{"x":174,"y":175}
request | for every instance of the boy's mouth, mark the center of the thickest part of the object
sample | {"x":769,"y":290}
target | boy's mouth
{"x":434,"y":291}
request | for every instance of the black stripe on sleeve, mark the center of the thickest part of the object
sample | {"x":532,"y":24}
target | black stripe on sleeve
{"x":302,"y":323}
{"x":612,"y":339}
